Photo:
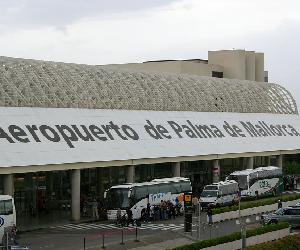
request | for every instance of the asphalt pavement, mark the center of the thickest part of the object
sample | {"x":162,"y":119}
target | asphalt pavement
{"x":74,"y":236}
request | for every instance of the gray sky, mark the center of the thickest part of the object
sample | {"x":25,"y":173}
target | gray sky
{"x":120,"y":31}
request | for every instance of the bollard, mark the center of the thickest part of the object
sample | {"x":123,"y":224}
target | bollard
{"x":122,"y":242}
{"x":136,"y":234}
{"x":103,"y":247}
{"x":84,"y":243}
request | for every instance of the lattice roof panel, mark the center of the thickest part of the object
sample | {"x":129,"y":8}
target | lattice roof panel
{"x":33,"y":83}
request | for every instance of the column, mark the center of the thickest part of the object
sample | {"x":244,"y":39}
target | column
{"x":8,"y":184}
{"x":268,"y":160}
{"x":176,"y":169}
{"x":130,"y":174}
{"x":279,"y":160}
{"x":250,"y":163}
{"x":216,"y":171}
{"x":100,"y":182}
{"x":75,"y":186}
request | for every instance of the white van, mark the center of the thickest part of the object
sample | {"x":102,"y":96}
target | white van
{"x":220,"y":194}
{"x":7,"y":215}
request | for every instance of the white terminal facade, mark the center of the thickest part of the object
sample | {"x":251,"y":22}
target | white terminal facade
{"x":69,"y":131}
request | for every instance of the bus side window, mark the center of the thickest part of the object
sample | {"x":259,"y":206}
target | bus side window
{"x":153,"y":189}
{"x":185,"y":187}
{"x":2,"y":208}
{"x":177,"y":187}
{"x":164,"y":188}
{"x":140,"y":193}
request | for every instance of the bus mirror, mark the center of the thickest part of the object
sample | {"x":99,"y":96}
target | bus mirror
{"x":129,"y":193}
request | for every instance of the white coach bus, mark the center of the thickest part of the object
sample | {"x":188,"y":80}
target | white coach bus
{"x":260,"y":181}
{"x":7,"y":215}
{"x":135,"y":196}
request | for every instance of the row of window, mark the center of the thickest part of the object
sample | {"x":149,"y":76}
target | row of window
{"x":175,"y":187}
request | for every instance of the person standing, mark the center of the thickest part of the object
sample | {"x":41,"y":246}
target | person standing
{"x":209,"y":214}
{"x":95,"y":209}
{"x":279,"y":204}
{"x":129,"y":217}
{"x":14,"y":231}
{"x":119,"y":215}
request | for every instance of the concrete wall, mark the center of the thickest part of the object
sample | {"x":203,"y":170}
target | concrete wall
{"x":179,"y":67}
{"x":233,"y":62}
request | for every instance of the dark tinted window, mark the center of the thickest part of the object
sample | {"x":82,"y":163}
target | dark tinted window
{"x":153,"y":189}
{"x":6,"y":207}
{"x":185,"y":186}
{"x":141,"y":192}
{"x":164,"y":188}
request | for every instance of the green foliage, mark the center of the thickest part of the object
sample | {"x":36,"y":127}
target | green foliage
{"x":291,"y":242}
{"x":256,"y":203}
{"x":291,"y":168}
{"x":233,"y":237}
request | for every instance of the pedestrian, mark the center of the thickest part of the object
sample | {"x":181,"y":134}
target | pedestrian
{"x":148,"y":210}
{"x":195,"y":203}
{"x":209,"y":214}
{"x":14,"y":232}
{"x":95,"y":209}
{"x":129,"y":217}
{"x":279,"y":203}
{"x":119,"y":214}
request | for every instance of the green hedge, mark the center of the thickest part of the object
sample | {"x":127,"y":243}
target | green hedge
{"x":233,"y":237}
{"x":256,"y":203}
{"x":291,"y":242}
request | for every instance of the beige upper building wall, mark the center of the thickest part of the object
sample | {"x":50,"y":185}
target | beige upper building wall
{"x":250,"y":65}
{"x":259,"y":66}
{"x":233,"y":62}
{"x":196,"y":67}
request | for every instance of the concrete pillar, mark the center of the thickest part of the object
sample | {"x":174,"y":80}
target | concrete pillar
{"x":268,"y":160}
{"x":216,"y":171}
{"x":130,"y":174}
{"x":250,"y":163}
{"x":75,"y":186}
{"x":8,"y":184}
{"x":176,"y":169}
{"x":279,"y":160}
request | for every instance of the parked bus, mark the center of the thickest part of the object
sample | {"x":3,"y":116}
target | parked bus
{"x":260,"y":181}
{"x":7,"y":215}
{"x":135,"y":196}
{"x":219,"y":194}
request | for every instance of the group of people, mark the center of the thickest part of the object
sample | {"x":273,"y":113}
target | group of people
{"x":163,"y":211}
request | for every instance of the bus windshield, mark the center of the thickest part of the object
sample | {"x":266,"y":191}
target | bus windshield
{"x":6,"y":207}
{"x":117,"y":198}
{"x":209,"y":193}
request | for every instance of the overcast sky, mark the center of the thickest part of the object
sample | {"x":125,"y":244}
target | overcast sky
{"x":121,"y":31}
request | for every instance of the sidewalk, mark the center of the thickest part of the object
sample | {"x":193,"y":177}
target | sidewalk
{"x":168,"y":244}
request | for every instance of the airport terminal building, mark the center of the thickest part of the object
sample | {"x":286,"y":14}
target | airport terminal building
{"x":70,"y":131}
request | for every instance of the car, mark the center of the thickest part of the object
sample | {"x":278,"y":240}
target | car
{"x":288,"y":214}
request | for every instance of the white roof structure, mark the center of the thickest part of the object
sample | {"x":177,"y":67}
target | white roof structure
{"x":32,"y":83}
{"x":56,"y":116}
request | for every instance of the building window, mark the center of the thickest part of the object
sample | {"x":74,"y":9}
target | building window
{"x":217,"y":74}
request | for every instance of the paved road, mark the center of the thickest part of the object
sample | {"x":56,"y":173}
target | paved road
{"x":71,"y":236}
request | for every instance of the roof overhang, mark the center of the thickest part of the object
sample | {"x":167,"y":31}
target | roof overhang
{"x":46,"y":139}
